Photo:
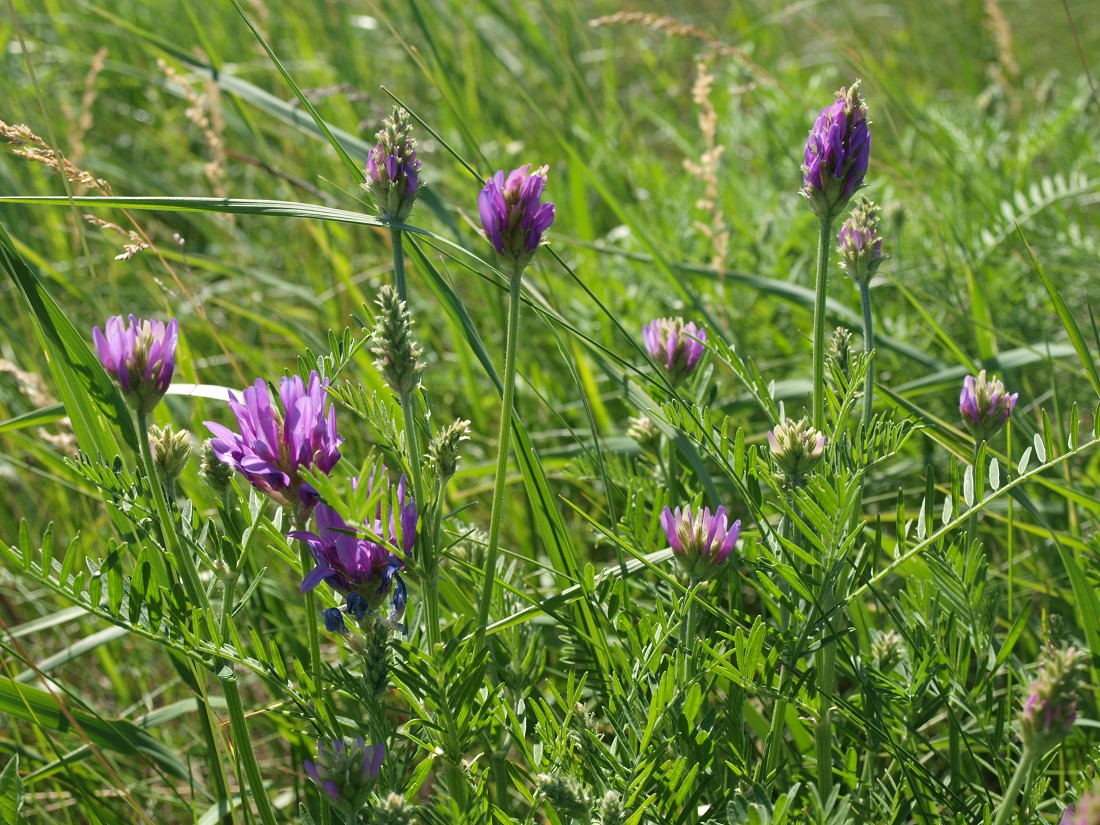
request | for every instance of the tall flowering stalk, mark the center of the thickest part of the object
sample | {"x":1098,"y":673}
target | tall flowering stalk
{"x":860,"y":248}
{"x":513,"y":220}
{"x":1046,"y":719}
{"x":835,"y":163}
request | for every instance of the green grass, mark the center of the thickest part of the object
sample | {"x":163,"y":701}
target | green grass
{"x":985,"y":161}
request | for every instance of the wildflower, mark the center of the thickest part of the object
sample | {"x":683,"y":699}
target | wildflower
{"x":840,"y":350}
{"x":837,"y":153}
{"x":701,"y":542}
{"x":334,"y":620}
{"x":212,"y":470}
{"x":274,"y":446}
{"x":513,"y":217}
{"x":860,"y":243}
{"x":394,"y":810}
{"x":364,"y":565}
{"x":171,"y":451}
{"x":396,"y":353}
{"x":443,"y":451}
{"x":1051,"y":705}
{"x":346,"y":770}
{"x":643,"y":430}
{"x":985,"y":405}
{"x":610,"y":810}
{"x":1086,"y":811}
{"x":797,"y":448}
{"x":676,"y":346}
{"x":393,"y":172}
{"x":566,"y":795}
{"x":141,"y":356}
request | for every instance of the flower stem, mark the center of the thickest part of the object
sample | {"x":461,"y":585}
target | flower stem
{"x":242,"y":741}
{"x":824,"y":244}
{"x":313,"y":636}
{"x":503,"y":439}
{"x":825,"y":662}
{"x":180,"y":554}
{"x":869,"y":348}
{"x":1008,"y":802}
{"x":399,"y":264}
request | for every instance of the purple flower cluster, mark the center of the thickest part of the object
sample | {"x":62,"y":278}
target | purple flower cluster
{"x":985,"y":405}
{"x":512,"y":214}
{"x":860,"y":244}
{"x":1086,"y":811}
{"x":393,"y":172}
{"x":141,"y":356}
{"x":346,"y":771}
{"x":275,"y":445}
{"x":360,"y":563}
{"x":676,"y":346}
{"x":701,"y":541}
{"x":837,"y":153}
{"x":1051,"y":706}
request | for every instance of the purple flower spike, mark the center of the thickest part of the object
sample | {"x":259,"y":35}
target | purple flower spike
{"x":860,"y":244}
{"x":364,"y":564}
{"x":1086,"y":811}
{"x":1051,"y":706}
{"x":140,"y":356}
{"x":676,"y":346}
{"x":985,"y":405}
{"x":346,"y":771}
{"x":393,"y":172}
{"x":513,"y":217}
{"x":837,"y":153}
{"x":701,"y":542}
{"x":274,"y":446}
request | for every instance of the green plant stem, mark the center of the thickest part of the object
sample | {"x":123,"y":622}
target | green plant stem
{"x":1008,"y":801}
{"x":431,"y":583}
{"x":182,"y":557}
{"x":398,"y":245}
{"x":691,"y":617}
{"x":825,"y":663}
{"x":824,"y":246}
{"x":503,"y":439}
{"x":869,"y":348}
{"x":313,"y":637}
{"x":972,"y":520}
{"x":242,"y":741}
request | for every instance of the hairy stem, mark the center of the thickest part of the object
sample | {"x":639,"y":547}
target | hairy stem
{"x":824,"y":244}
{"x":869,"y":348}
{"x":503,"y":444}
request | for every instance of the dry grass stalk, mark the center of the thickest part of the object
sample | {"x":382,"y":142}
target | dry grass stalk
{"x":129,"y":250}
{"x":706,"y":169}
{"x":30,"y":146}
{"x":204,"y":111}
{"x":82,"y":118}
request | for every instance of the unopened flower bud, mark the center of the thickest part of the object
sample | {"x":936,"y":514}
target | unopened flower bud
{"x":839,"y":350}
{"x":393,"y":172}
{"x":171,"y":452}
{"x":985,"y":405}
{"x":1051,"y":705}
{"x":643,"y":430}
{"x":396,"y":353}
{"x":674,"y":345}
{"x":860,"y":243}
{"x":334,"y":620}
{"x":213,"y":470}
{"x":345,"y":771}
{"x":887,"y":650}
{"x":566,"y":795}
{"x":610,"y":810}
{"x":796,"y":448}
{"x":394,"y":810}
{"x":443,"y":451}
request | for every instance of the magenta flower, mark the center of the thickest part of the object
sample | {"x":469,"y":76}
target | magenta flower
{"x":512,"y":214}
{"x":1086,"y":811}
{"x":346,"y":771}
{"x":393,"y":172}
{"x":353,"y":561}
{"x":860,"y":244}
{"x":837,"y":153}
{"x":701,"y":542}
{"x":140,"y":356}
{"x":274,"y":445}
{"x":985,"y":405}
{"x":676,"y":346}
{"x":1051,"y":706}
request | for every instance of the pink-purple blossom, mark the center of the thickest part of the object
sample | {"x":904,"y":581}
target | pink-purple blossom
{"x":701,"y":541}
{"x":277,"y":442}
{"x":676,"y":346}
{"x":513,"y":217}
{"x":837,"y":153}
{"x":140,"y":355}
{"x":345,"y":771}
{"x":985,"y":405}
